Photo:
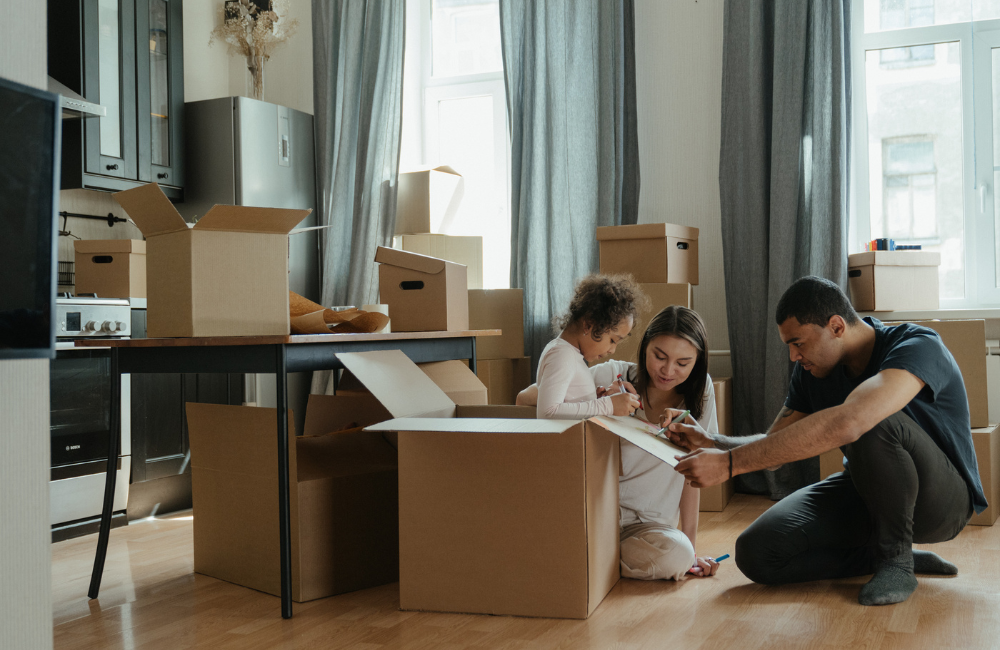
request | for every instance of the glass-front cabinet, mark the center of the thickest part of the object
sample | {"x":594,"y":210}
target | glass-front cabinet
{"x":127,"y":56}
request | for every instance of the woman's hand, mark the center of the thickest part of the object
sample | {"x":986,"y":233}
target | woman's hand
{"x":704,"y":567}
{"x":688,"y":434}
{"x":624,"y":403}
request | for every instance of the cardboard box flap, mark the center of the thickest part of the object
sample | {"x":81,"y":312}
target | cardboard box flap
{"x":639,"y":433}
{"x":343,"y":454}
{"x":329,"y":413}
{"x":425,"y":168}
{"x":151,"y":210}
{"x":95,"y":246}
{"x":398,"y":383}
{"x":408,"y":260}
{"x":646,"y":231}
{"x":236,"y":218}
{"x":460,"y":384}
{"x":894,"y":258}
{"x":475,"y":425}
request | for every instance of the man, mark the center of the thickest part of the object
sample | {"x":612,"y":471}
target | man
{"x":893,"y":400}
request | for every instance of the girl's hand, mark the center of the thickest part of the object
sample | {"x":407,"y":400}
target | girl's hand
{"x":704,"y":567}
{"x":624,"y":403}
{"x":687,"y":435}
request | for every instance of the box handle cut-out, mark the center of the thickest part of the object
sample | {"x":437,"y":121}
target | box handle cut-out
{"x":102,"y":259}
{"x":411,"y":285}
{"x":854,"y":273}
{"x":682,"y":245}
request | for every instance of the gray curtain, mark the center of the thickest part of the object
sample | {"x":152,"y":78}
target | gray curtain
{"x":570,"y":80}
{"x":358,"y":89}
{"x":783,"y":178}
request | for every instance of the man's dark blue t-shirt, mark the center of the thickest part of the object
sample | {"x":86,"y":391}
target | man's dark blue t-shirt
{"x":941,"y":408}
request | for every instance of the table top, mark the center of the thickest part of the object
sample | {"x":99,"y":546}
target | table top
{"x":291,"y":339}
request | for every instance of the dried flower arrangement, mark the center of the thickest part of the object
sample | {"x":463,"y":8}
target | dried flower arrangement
{"x":254,"y":29}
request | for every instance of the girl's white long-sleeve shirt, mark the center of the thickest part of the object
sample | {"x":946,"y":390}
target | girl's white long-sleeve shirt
{"x":566,"y":387}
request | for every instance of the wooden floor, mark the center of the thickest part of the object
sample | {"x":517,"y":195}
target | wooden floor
{"x":152,"y":599}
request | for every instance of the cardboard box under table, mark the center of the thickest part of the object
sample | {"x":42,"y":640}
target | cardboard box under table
{"x":893,"y":280}
{"x":652,"y":253}
{"x":504,"y":378}
{"x":501,"y":309}
{"x":424,"y":294}
{"x":343,"y":496}
{"x":225,"y":276}
{"x":467,"y":251}
{"x":497,"y":515}
{"x":110,"y":268}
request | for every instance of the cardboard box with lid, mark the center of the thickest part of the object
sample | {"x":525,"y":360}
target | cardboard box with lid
{"x":497,"y":515}
{"x":660,"y":296}
{"x":110,"y":268}
{"x":226,"y":275}
{"x":427,"y":199}
{"x":893,"y":280}
{"x":424,"y":294}
{"x":501,"y":309}
{"x":467,"y":251}
{"x":652,"y":253}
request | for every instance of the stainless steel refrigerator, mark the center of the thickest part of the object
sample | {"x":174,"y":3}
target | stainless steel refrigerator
{"x":242,"y":151}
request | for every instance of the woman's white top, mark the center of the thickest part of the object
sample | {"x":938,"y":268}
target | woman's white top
{"x":566,"y":388}
{"x":649,"y":490}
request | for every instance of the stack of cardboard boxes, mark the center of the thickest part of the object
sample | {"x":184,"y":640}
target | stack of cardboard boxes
{"x":500,"y":361}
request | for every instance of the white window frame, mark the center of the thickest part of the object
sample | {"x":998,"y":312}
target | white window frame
{"x":975,"y":42}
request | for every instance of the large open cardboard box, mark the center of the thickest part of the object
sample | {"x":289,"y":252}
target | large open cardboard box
{"x":424,"y":294}
{"x":110,"y":268}
{"x":497,"y":515}
{"x":716,"y":498}
{"x":427,"y":199}
{"x":225,"y":276}
{"x":660,"y":296}
{"x":343,"y":495}
{"x":467,"y":251}
{"x":501,"y":309}
{"x":893,"y":280}
{"x":966,"y":340}
{"x":651,"y":252}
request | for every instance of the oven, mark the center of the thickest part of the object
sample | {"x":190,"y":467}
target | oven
{"x":80,"y":411}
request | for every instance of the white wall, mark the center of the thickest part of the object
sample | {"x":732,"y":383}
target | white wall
{"x":678,"y":60}
{"x":25,"y":562}
{"x":209,"y":71}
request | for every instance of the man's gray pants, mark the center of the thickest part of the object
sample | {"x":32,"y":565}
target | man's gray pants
{"x":899,"y":488}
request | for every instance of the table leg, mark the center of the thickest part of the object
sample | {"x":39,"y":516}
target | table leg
{"x":472,"y":359}
{"x":284,"y":511}
{"x":114,"y":447}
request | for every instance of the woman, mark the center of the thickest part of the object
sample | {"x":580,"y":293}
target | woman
{"x":658,"y":510}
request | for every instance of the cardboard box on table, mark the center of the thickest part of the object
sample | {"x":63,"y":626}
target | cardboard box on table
{"x":225,"y":276}
{"x":893,"y":280}
{"x":716,"y":498}
{"x":501,"y":309}
{"x":497,"y":515}
{"x":966,"y":340}
{"x":660,"y":296}
{"x":467,"y":251}
{"x":110,"y":268}
{"x":424,"y":294}
{"x":427,"y":199}
{"x":652,"y":253}
{"x":504,"y":378}
{"x":987,"y":444}
{"x":343,"y":495}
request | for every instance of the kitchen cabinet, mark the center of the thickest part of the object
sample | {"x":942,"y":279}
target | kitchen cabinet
{"x":126,"y":55}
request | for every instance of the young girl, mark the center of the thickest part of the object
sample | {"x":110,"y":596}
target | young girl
{"x":600,"y":315}
{"x":658,"y":510}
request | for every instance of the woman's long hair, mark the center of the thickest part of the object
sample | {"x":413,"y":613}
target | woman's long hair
{"x":686,"y":324}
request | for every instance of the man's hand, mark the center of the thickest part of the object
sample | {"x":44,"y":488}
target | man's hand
{"x":705,"y":467}
{"x":687,"y":435}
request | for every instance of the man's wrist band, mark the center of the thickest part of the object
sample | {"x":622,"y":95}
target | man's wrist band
{"x":730,"y":463}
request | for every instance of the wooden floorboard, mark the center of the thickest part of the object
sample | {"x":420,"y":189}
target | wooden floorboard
{"x":151,"y":598}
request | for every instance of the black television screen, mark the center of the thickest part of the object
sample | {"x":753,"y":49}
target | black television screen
{"x":29,"y":184}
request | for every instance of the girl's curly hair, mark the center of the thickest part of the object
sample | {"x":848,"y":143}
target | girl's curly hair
{"x":603,"y":301}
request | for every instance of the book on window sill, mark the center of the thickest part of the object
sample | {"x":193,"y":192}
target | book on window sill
{"x":642,"y":434}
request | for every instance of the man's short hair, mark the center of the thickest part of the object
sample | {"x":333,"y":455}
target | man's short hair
{"x":814,"y":300}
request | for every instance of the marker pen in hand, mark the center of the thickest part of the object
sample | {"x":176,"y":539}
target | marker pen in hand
{"x":716,"y":560}
{"x":621,"y":389}
{"x":662,"y":433}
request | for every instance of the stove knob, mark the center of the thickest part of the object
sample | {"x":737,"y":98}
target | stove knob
{"x":108,"y":326}
{"x":121,"y":326}
{"x":91,"y":326}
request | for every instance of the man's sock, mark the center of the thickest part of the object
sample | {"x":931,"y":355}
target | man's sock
{"x":893,"y":582}
{"x":927,"y":562}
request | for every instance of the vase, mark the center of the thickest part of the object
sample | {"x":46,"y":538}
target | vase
{"x":255,"y":64}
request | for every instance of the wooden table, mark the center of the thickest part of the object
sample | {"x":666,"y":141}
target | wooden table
{"x":257,"y":354}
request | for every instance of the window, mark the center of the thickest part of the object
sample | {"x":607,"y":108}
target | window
{"x":455,"y":114}
{"x":926,"y":93}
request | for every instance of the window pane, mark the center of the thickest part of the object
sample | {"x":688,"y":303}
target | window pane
{"x":995,"y":61}
{"x":466,"y":144}
{"x":465,"y":37}
{"x":915,"y":157}
{"x":107,"y":52}
{"x":159,"y":105}
{"x":884,"y":15}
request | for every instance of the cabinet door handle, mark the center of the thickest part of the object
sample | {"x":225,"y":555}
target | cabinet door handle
{"x":112,"y":167}
{"x":161,"y":175}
